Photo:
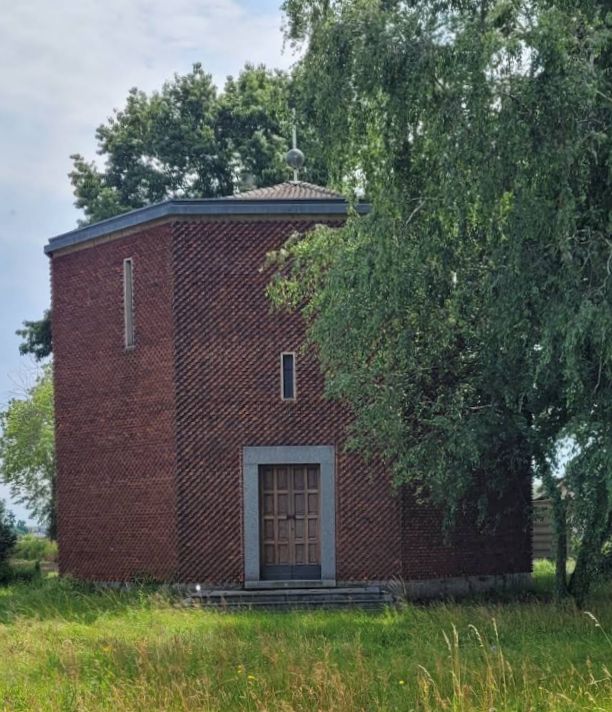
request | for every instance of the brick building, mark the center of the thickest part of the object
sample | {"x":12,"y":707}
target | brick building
{"x":194,"y":443}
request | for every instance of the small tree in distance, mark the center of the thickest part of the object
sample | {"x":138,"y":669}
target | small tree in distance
{"x":8,"y":535}
{"x":27,"y":450}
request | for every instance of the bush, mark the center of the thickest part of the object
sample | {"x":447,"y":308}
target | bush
{"x":19,"y":571}
{"x":8,"y":537}
{"x":35,"y":548}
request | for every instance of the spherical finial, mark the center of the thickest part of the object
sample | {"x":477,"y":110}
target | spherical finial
{"x":295,"y":158}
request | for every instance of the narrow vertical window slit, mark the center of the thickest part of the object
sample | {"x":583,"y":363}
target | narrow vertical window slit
{"x":128,"y":302}
{"x":288,"y":376}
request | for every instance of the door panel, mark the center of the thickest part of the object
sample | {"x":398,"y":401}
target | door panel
{"x":290,"y":531}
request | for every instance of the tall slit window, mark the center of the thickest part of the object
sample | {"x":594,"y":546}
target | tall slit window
{"x":288,"y":376}
{"x":128,"y":302}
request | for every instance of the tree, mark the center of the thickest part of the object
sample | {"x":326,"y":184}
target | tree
{"x":158,"y":146}
{"x":27,"y":457}
{"x":467,"y":320}
{"x":37,"y":337}
{"x":8,"y":535}
{"x":254,"y":125}
{"x":189,"y":141}
{"x":17,"y":525}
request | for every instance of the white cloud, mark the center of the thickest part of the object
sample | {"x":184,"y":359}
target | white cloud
{"x":67,"y":64}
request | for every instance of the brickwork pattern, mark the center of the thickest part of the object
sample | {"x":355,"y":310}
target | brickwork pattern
{"x":115,"y":411}
{"x":228,"y":346}
{"x":149,"y":441}
{"x":501,"y":546}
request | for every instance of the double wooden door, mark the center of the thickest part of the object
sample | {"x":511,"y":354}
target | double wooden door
{"x":290,"y":521}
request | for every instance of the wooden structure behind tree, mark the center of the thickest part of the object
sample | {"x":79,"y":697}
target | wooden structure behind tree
{"x":543,"y":529}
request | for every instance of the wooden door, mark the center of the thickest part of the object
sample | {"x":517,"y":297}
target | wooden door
{"x":290,"y":521}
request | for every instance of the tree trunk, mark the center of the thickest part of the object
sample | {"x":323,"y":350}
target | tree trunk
{"x":560,"y":525}
{"x":560,"y":517}
{"x":52,"y":518}
{"x":589,"y":556}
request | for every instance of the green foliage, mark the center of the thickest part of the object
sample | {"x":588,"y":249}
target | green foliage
{"x":467,"y":321}
{"x":8,"y":537}
{"x":79,"y":648}
{"x":35,"y":548}
{"x":37,"y":338}
{"x":189,"y":141}
{"x":158,"y":146}
{"x":17,"y":525}
{"x":589,"y":509}
{"x":254,"y":124}
{"x":19,"y":571}
{"x":27,"y":455}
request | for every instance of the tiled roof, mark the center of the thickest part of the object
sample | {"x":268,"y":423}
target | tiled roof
{"x":290,"y":190}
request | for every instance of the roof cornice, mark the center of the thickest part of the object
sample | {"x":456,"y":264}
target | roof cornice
{"x":211,"y":207}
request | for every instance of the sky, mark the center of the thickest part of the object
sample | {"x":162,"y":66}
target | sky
{"x":65,"y":65}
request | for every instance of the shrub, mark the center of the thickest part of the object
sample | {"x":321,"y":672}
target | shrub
{"x":18,"y":570}
{"x":8,"y":537}
{"x":35,"y":548}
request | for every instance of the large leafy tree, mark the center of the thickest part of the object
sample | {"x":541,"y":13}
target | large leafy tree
{"x":27,"y":454}
{"x":467,"y":320}
{"x":37,"y":338}
{"x":189,"y":140}
{"x":8,"y":538}
{"x":158,"y":146}
{"x":254,"y":123}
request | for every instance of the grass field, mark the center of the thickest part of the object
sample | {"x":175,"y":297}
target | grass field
{"x":64,"y":648}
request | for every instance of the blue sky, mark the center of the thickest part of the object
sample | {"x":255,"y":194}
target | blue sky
{"x":65,"y":66}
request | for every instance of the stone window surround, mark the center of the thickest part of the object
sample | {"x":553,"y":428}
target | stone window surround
{"x":252,"y":458}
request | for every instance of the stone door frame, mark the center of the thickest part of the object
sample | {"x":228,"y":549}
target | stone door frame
{"x":252,"y":458}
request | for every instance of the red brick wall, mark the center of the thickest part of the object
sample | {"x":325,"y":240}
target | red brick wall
{"x":115,"y":410}
{"x":501,"y":546}
{"x":228,"y":348}
{"x":134,"y":498}
{"x":228,"y":396}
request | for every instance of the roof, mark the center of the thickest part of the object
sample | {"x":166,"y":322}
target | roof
{"x":289,"y":199}
{"x":290,"y":190}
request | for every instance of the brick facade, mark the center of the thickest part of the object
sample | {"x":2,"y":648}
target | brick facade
{"x":228,"y":346}
{"x":149,"y":441}
{"x":502,"y":546}
{"x":116,"y":454}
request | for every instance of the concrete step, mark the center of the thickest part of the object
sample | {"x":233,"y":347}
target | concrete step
{"x":290,"y":601}
{"x":366,"y":597}
{"x":284,"y":595}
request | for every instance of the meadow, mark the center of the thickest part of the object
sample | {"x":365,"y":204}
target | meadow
{"x":66,"y":647}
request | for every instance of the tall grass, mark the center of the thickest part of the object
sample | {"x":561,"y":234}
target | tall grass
{"x":67,"y":647}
